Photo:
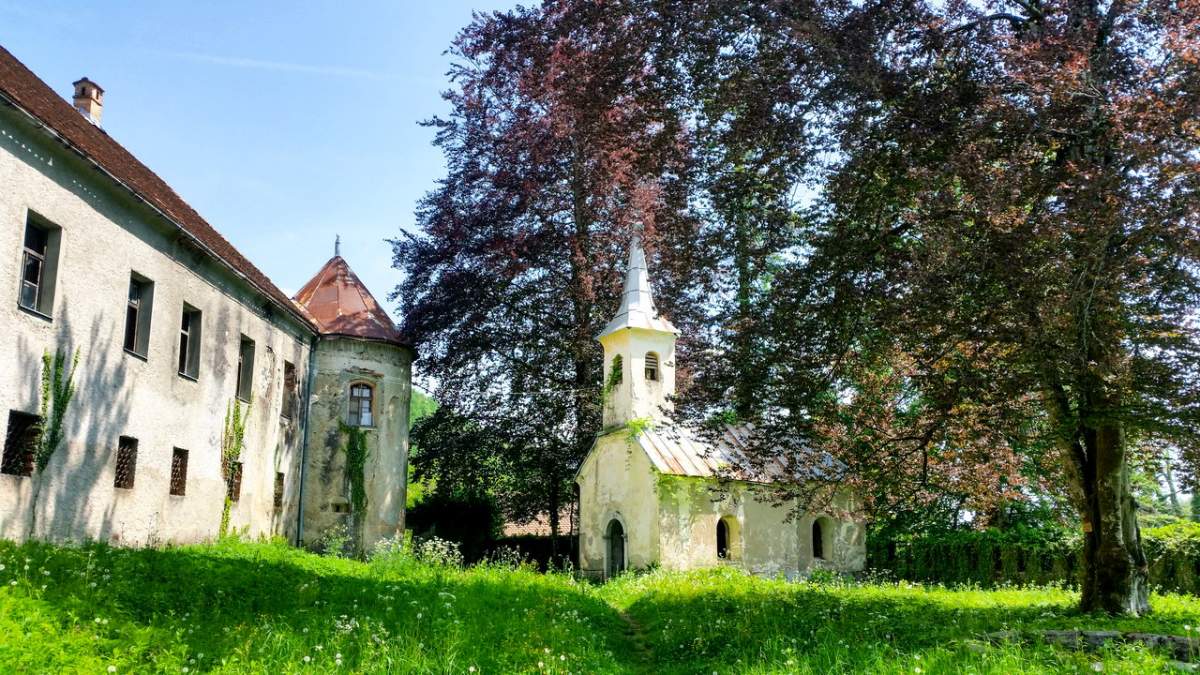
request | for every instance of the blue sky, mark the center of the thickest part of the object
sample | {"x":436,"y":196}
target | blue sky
{"x":283,"y":124}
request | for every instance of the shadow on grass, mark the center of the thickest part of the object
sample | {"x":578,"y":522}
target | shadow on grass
{"x":209,"y":599}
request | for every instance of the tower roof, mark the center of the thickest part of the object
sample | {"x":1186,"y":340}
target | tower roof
{"x":637,"y":303}
{"x":340,"y":304}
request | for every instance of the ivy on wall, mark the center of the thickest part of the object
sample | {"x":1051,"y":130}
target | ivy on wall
{"x":356,"y":465}
{"x":233,"y":440}
{"x":58,"y":389}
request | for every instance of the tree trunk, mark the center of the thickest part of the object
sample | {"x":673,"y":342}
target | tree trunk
{"x":36,"y":488}
{"x":1116,"y":574}
{"x":1172,"y":493}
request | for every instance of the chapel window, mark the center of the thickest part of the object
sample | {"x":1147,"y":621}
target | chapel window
{"x":651,"y":367}
{"x":362,"y":401}
{"x":822,"y":533}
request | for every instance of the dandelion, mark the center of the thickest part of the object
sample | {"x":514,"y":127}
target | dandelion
{"x":471,"y":669}
{"x":307,"y":658}
{"x":112,"y":669}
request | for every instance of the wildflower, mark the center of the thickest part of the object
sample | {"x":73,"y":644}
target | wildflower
{"x":307,"y":658}
{"x":112,"y":669}
{"x":471,"y":669}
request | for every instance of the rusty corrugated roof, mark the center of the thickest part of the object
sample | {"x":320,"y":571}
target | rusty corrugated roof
{"x":340,"y":304}
{"x":23,"y":89}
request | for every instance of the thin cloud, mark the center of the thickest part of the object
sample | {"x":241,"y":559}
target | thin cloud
{"x":281,"y":66}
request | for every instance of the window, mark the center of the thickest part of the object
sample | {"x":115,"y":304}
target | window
{"x":361,"y":405}
{"x":288,"y":407}
{"x":189,"y":343}
{"x":651,"y":367}
{"x":20,"y":443}
{"x":126,"y":462}
{"x":245,"y":371}
{"x":279,"y":478}
{"x":233,"y":488}
{"x":137,"y":315}
{"x":616,"y":548}
{"x":38,"y":266}
{"x":617,"y":374}
{"x":179,"y":461}
{"x":822,"y":530}
{"x":722,"y":540}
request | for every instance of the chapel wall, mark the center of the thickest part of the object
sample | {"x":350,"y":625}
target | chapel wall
{"x":617,"y":482}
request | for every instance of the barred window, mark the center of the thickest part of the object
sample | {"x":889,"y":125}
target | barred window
{"x":233,"y":488}
{"x":651,"y":367}
{"x":179,"y":465}
{"x":127,"y":448}
{"x":20,"y":443}
{"x":362,"y":400}
{"x":279,"y":478}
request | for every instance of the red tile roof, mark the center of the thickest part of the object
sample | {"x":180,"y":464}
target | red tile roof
{"x":23,"y":89}
{"x":341,"y":305}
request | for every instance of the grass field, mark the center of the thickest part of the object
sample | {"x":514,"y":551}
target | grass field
{"x":243,"y":607}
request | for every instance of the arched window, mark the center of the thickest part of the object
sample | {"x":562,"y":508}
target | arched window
{"x":618,"y":370}
{"x":722,"y":540}
{"x":651,"y":367}
{"x":822,"y":538}
{"x":362,"y":405}
{"x":728,"y":538}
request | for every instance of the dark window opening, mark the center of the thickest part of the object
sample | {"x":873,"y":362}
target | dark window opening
{"x":616,"y":548}
{"x":137,"y":315}
{"x":179,"y":465}
{"x":245,"y":369}
{"x":38,"y":265}
{"x":818,"y":540}
{"x":189,"y":343}
{"x":288,"y":407}
{"x":127,"y":448}
{"x":362,"y":399}
{"x":279,"y":478}
{"x":20,"y":443}
{"x":233,"y":488}
{"x":651,"y":367}
{"x":723,"y":540}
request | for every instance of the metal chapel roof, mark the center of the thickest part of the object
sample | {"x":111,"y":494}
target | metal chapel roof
{"x":637,"y":303}
{"x":340,"y":304}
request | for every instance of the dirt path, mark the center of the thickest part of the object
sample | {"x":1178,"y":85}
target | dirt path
{"x":642,"y":657}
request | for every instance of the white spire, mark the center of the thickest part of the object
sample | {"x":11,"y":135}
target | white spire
{"x":637,"y":304}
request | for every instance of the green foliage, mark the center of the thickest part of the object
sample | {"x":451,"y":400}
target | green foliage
{"x":356,"y":464}
{"x":58,"y":388}
{"x":419,"y":407}
{"x":473,"y":521}
{"x":233,"y":441}
{"x":238,"y":607}
{"x":635,"y":427}
{"x":1025,"y":556}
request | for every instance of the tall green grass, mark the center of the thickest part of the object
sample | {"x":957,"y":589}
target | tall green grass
{"x":240,"y":607}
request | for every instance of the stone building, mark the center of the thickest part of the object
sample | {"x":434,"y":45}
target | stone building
{"x":174,"y":327}
{"x":649,"y":489}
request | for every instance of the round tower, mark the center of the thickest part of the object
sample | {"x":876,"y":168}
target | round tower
{"x":361,"y":386}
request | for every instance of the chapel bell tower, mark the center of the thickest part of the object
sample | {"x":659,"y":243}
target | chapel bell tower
{"x":639,"y":351}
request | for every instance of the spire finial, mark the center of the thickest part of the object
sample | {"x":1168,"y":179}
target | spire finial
{"x":337,"y":245}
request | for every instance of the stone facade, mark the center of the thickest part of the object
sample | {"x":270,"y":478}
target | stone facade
{"x":106,"y":232}
{"x":649,"y":492}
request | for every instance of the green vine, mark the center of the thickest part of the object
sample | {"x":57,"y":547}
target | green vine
{"x":636,"y":426}
{"x":58,"y":388}
{"x":614,"y":378}
{"x":232,"y":442}
{"x":356,"y":464}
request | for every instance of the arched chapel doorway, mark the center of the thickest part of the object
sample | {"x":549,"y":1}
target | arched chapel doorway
{"x":616,"y":548}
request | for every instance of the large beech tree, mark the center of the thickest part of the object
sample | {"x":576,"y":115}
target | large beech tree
{"x":557,"y":147}
{"x":1000,"y":270}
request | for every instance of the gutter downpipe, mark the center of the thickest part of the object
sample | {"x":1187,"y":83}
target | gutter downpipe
{"x":308,"y":388}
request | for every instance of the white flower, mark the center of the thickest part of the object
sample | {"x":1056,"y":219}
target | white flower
{"x":307,"y":658}
{"x":471,"y":669}
{"x":112,"y":669}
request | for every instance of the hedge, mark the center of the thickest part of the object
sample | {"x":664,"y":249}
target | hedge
{"x":1030,"y":557}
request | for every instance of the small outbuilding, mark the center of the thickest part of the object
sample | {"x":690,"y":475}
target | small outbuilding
{"x":651,"y":491}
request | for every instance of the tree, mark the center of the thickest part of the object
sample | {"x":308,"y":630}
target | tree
{"x":998,"y":279}
{"x":555,"y":148}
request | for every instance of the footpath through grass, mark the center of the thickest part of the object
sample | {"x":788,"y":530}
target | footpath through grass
{"x":267,"y":608}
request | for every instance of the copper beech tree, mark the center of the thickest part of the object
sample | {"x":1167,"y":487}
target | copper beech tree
{"x":996,"y":281}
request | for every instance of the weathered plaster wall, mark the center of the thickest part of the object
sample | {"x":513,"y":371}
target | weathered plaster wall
{"x":106,"y":236}
{"x":635,"y":397}
{"x":617,"y":481}
{"x":388,"y":369}
{"x":763,"y":540}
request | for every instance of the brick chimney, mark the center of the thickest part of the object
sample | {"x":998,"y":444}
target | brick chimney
{"x":89,"y":100}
